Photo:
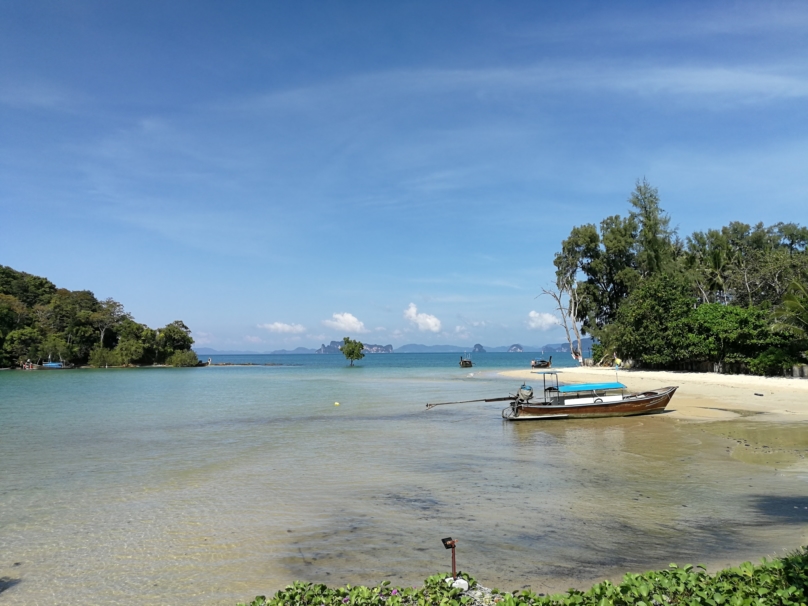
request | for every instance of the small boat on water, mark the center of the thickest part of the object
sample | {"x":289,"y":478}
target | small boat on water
{"x":588,"y":400}
{"x":465,"y":361}
{"x":541,"y":363}
{"x":49,"y":365}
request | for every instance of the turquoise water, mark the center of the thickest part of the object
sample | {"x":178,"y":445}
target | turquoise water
{"x":211,"y":485}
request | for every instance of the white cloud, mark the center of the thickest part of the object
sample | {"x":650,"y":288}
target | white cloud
{"x":461,"y":332}
{"x":252,"y":339}
{"x":284,"y":328}
{"x":345,"y":322}
{"x":422,"y":321}
{"x":203,"y":338}
{"x":541,"y":320}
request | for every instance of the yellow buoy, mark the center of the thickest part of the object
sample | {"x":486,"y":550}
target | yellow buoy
{"x":336,"y":403}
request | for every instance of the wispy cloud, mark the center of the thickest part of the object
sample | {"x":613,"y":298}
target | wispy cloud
{"x":281,"y":327}
{"x":252,"y":339}
{"x":36,"y":95}
{"x":424,"y":322}
{"x":346,"y":322}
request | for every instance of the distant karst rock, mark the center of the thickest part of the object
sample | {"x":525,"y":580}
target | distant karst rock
{"x":515,"y":348}
{"x":333,"y":348}
{"x":370,"y":348}
{"x":478,"y":349}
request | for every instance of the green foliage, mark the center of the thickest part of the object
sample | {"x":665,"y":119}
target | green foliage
{"x":182,"y":358}
{"x":734,"y":294}
{"x":649,"y":327}
{"x":772,"y":362}
{"x":352,"y":350}
{"x":780,"y":582}
{"x":654,"y":246}
{"x":792,"y":315}
{"x":22,"y":344}
{"x":101,"y":357}
{"x":434,"y":592}
{"x":39,"y":321}
{"x":726,"y":332}
{"x":173,"y":337}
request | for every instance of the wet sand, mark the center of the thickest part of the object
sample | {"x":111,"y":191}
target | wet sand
{"x":703,"y":396}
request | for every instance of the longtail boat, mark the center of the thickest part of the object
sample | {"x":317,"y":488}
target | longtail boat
{"x":465,"y":361}
{"x":588,"y":400}
{"x":541,"y":363}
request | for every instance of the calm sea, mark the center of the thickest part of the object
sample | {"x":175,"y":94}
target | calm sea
{"x":211,"y":485}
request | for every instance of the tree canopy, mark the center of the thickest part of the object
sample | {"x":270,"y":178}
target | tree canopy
{"x":352,"y":350}
{"x":735,"y":294}
{"x":39,"y":321}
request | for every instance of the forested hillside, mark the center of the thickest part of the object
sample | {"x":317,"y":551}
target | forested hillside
{"x":732,"y":297}
{"x":39,"y":321}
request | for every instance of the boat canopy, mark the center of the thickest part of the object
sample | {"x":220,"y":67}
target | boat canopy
{"x":545,"y":372}
{"x":590,"y":387}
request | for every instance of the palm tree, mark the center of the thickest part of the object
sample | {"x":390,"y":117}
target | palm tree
{"x":793,"y":312}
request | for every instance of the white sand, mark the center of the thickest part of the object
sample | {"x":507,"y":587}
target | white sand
{"x":702,"y":396}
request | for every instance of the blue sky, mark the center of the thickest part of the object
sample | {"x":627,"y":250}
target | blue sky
{"x":283,"y":174}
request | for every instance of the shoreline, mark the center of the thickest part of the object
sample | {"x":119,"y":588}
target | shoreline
{"x":702,"y":396}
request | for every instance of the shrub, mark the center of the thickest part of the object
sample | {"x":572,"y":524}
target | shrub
{"x":773,"y":361}
{"x":102,"y":358}
{"x":182,"y":358}
{"x":781,"y":582}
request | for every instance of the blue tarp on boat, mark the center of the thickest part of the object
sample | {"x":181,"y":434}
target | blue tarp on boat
{"x":590,"y":387}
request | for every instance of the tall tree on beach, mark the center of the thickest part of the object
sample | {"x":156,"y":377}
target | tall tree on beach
{"x":654,"y":242}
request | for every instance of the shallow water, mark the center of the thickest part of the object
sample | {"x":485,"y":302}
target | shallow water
{"x":212,"y":485}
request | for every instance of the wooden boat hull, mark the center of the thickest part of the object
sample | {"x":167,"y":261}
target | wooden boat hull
{"x":541,"y":363}
{"x":643,"y":403}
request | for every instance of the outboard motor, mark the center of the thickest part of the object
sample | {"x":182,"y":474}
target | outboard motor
{"x":525,"y":393}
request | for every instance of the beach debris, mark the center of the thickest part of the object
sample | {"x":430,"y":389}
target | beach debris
{"x":336,"y":403}
{"x":759,"y":394}
{"x":461,"y":584}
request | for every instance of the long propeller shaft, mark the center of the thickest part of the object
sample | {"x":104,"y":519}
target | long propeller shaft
{"x":429,"y":406}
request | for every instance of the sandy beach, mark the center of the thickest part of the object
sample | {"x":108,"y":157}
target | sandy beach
{"x":702,"y":396}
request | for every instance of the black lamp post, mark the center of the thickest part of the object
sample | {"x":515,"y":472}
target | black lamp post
{"x":450,"y":543}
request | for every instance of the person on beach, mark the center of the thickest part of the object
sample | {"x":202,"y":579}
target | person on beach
{"x":617,"y":361}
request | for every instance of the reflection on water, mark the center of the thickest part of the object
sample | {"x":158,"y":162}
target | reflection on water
{"x":213,"y":485}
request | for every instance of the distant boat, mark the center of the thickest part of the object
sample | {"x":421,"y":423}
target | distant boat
{"x":49,"y":365}
{"x":53,"y":365}
{"x":465,"y":361}
{"x":541,"y":363}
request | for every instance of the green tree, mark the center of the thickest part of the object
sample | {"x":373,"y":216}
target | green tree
{"x":173,"y":337}
{"x":654,"y":243}
{"x":101,"y":357}
{"x":608,"y":264}
{"x":54,"y":347}
{"x":22,"y":344}
{"x":110,"y":314}
{"x":352,"y":350}
{"x":650,"y":325}
{"x":793,"y":312}
{"x":719,"y":333}
{"x":182,"y":358}
{"x":130,"y":351}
